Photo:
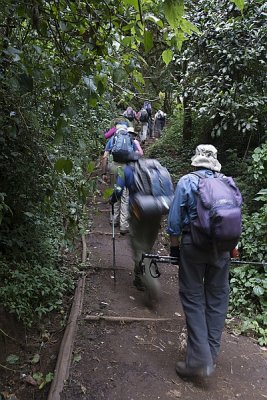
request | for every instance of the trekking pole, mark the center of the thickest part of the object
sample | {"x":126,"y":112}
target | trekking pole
{"x":256,"y":263}
{"x":113,"y":244}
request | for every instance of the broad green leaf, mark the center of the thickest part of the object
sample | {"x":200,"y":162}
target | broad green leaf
{"x":82,"y":144}
{"x":29,"y":214}
{"x":138,"y":76}
{"x":64,"y":164}
{"x":133,"y":3}
{"x":239,"y":3}
{"x":92,"y":100}
{"x":119,"y":75}
{"x":120,"y":172}
{"x":167,"y":56}
{"x":58,"y":107}
{"x":100,"y":87}
{"x":107,"y":193}
{"x":137,"y":86}
{"x":77,"y":358}
{"x":91,"y":166}
{"x":258,"y":290}
{"x":148,"y":41}
{"x":26,"y":83}
{"x":173,"y":10}
{"x":127,"y":41}
{"x":49,"y":377}
{"x":12,"y":51}
{"x":180,"y":38}
{"x":60,"y":128}
{"x":153,"y":18}
{"x":35,"y":359}
{"x":12,"y":131}
{"x":89,"y":81}
{"x":58,"y":138}
{"x":12,"y":359}
{"x":188,"y":27}
{"x":62,"y":26}
{"x":127,"y":27}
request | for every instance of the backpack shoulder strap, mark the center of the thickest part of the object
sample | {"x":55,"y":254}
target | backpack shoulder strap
{"x":215,"y":174}
{"x":197,"y":174}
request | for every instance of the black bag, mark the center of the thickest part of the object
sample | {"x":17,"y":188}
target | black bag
{"x":143,"y":115}
{"x":153,"y":186}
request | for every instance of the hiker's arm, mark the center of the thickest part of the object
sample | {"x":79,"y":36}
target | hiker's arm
{"x":105,"y":163}
{"x":176,"y":213}
{"x":174,"y":241}
{"x":139,"y":149}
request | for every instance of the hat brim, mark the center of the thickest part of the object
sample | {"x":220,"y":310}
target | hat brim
{"x":206,"y":162}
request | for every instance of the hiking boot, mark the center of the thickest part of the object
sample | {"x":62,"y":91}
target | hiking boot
{"x":184,"y":371}
{"x":138,"y":283}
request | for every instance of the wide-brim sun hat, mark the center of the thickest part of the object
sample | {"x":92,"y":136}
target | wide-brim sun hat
{"x":131,"y":130}
{"x":121,"y":126}
{"x":206,"y":157}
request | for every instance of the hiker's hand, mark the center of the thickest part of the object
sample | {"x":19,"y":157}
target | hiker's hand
{"x":175,"y":252}
{"x":111,"y":201}
{"x":105,"y":177}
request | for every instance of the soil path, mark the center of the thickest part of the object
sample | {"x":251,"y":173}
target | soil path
{"x":122,"y":359}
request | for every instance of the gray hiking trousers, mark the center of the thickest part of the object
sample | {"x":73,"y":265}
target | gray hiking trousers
{"x":121,"y":207}
{"x":143,"y":234}
{"x":204,"y":292}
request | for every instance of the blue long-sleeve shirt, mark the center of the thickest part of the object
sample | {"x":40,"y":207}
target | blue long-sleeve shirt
{"x":183,"y":208}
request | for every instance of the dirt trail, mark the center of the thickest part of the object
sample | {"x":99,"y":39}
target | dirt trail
{"x":131,"y":360}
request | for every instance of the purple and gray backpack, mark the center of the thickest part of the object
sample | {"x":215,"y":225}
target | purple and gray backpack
{"x":219,"y":220}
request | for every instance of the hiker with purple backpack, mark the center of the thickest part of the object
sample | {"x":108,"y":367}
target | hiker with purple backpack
{"x":204,"y":225}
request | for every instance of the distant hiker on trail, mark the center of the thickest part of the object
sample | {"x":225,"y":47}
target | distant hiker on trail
{"x":144,"y":116}
{"x":109,"y":133}
{"x":159,"y":123}
{"x":130,"y":114}
{"x":148,"y":201}
{"x":148,"y":107}
{"x":111,"y":165}
{"x":204,"y":256}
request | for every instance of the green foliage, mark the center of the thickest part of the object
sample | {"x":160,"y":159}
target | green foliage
{"x":12,"y":359}
{"x":248,"y":284}
{"x":259,"y":164}
{"x":253,"y":241}
{"x":42,"y":379}
{"x":217,"y":73}
{"x":254,"y":237}
{"x":171,"y":150}
{"x":248,"y":300}
{"x":31,"y":290}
